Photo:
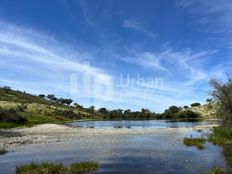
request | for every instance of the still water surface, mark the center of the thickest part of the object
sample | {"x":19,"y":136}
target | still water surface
{"x":161,"y":152}
{"x":142,"y":124}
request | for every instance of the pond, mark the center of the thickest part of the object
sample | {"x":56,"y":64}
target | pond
{"x":154,"y":146}
{"x":142,"y":123}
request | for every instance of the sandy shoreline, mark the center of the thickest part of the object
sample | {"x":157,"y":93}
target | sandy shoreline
{"x":54,"y":133}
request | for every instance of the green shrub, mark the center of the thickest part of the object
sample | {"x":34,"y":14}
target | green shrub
{"x":171,"y":112}
{"x":187,"y":114}
{"x":223,"y":136}
{"x":222,"y":93}
{"x":11,"y":115}
{"x":220,"y":135}
{"x":217,"y":170}
{"x":43,"y":168}
{"x":51,"y":168}
{"x":67,"y":113}
{"x":83,"y":167}
{"x":195,"y":104}
{"x":22,"y":107}
{"x":197,"y":142}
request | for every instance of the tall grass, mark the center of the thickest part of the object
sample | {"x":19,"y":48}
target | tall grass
{"x":83,"y":167}
{"x":51,"y":168}
{"x":221,"y":135}
{"x":43,"y":168}
{"x":197,"y":142}
{"x":217,"y":170}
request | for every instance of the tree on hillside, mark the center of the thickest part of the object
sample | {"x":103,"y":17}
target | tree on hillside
{"x":103,"y":111}
{"x":78,"y":106}
{"x":209,"y":100}
{"x":41,"y":95}
{"x":65,"y":101}
{"x":222,"y":93}
{"x":171,"y":112}
{"x":195,"y":104}
{"x":115,"y":114}
{"x":51,"y":97}
{"x":61,"y":101}
{"x":127,"y":114}
{"x":68,"y":101}
{"x":6,"y":88}
{"x":91,"y":109}
{"x":145,"y":113}
{"x":174,"y":109}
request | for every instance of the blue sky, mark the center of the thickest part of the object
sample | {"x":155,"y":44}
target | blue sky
{"x":116,"y":53}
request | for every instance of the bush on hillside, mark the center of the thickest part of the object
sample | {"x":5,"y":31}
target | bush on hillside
{"x":11,"y":115}
{"x":171,"y":112}
{"x":67,"y":113}
{"x":195,"y":104}
{"x":187,"y":114}
{"x":222,"y":93}
{"x":22,"y":107}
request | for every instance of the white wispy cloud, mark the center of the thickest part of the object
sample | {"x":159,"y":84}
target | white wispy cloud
{"x":137,"y":25}
{"x":211,"y":16}
{"x":40,"y":63}
{"x":187,"y":74}
{"x":145,"y":59}
{"x":41,"y":60}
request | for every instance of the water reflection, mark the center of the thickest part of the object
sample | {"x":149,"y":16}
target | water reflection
{"x":141,"y":124}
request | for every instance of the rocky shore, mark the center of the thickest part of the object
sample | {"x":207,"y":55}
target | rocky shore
{"x":54,"y":133}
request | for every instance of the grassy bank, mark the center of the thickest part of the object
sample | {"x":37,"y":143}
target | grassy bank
{"x":52,"y":168}
{"x":221,"y":136}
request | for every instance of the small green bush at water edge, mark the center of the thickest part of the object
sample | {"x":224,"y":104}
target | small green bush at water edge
{"x":51,"y":168}
{"x":217,"y":170}
{"x":197,"y":142}
{"x":43,"y":168}
{"x":83,"y":168}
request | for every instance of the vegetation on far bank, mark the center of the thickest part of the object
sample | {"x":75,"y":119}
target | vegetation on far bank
{"x":19,"y":108}
{"x":52,"y":168}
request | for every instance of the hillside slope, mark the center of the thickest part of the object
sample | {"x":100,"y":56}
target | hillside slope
{"x":207,"y":110}
{"x":15,"y":105}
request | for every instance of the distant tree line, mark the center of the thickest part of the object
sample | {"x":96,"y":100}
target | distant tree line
{"x":52,"y":97}
{"x":172,"y":112}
